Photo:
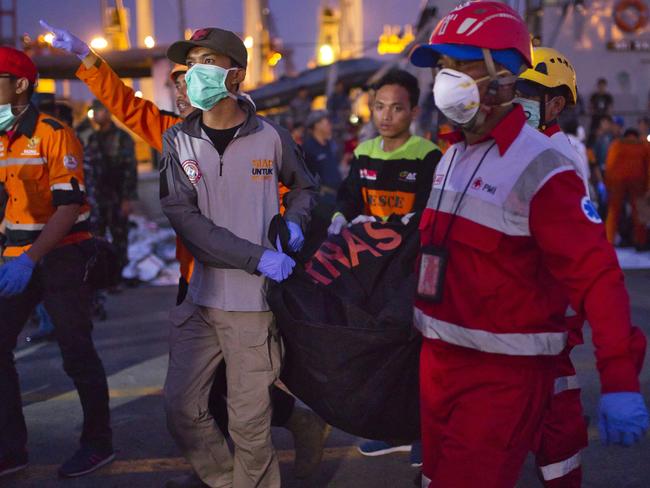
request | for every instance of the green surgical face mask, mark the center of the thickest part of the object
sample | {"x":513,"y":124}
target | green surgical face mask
{"x":7,"y":117}
{"x":532,"y":111}
{"x":206,"y":85}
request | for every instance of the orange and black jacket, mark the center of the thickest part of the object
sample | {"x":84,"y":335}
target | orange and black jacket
{"x":41,"y":168}
{"x":388,"y":184}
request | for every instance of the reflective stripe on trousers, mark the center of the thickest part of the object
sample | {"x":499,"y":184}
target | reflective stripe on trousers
{"x":561,"y":468}
{"x":564,"y":383}
{"x":514,"y":344}
{"x":425,"y":481}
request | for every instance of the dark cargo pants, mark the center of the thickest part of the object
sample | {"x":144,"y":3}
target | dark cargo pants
{"x":57,"y":281}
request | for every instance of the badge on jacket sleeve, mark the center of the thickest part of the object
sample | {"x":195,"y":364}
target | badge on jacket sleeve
{"x":192,"y":170}
{"x":70,"y":162}
{"x":589,"y":209}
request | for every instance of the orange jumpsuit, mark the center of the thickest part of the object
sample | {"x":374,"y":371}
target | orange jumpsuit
{"x":627,"y":174}
{"x":144,"y":118}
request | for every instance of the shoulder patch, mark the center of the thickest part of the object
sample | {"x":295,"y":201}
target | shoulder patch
{"x":590,"y":211}
{"x":70,"y":162}
{"x":55,"y":124}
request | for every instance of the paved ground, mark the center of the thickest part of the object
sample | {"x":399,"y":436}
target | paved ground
{"x":133,"y":346}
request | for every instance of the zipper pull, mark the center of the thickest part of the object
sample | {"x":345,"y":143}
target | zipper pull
{"x":220,"y":167}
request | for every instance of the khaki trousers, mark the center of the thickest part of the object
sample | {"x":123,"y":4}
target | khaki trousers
{"x":200,"y":339}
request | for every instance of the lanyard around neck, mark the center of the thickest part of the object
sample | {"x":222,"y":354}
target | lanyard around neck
{"x":460,"y":200}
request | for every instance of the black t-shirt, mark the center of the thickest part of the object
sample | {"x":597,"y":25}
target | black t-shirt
{"x":220,"y":137}
{"x":600,"y":102}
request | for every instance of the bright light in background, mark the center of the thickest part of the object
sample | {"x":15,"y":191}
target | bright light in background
{"x":49,"y":37}
{"x":648,"y":138}
{"x":354,"y":118}
{"x":249,"y":42}
{"x":91,"y":113}
{"x":275,"y":59}
{"x":138,"y":94}
{"x":325,"y":54}
{"x":99,"y":43}
{"x":149,"y":42}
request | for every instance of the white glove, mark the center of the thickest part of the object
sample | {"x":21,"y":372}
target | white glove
{"x":407,"y":218}
{"x":338,"y":222}
{"x":362,"y":219}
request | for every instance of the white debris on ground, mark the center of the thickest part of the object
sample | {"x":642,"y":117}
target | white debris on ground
{"x":628,"y":258}
{"x":152,"y":253}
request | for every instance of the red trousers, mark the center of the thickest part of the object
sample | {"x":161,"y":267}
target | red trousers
{"x":481,"y":414}
{"x":564,"y":433}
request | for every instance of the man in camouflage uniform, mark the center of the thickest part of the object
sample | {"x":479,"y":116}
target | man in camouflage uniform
{"x":111,"y":176}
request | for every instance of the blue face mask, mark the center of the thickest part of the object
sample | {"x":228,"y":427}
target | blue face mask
{"x":7,"y":117}
{"x":206,"y":85}
{"x":532,"y":111}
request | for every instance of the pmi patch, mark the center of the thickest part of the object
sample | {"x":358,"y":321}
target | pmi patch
{"x":590,"y":211}
{"x":70,"y":162}
{"x":192,"y":170}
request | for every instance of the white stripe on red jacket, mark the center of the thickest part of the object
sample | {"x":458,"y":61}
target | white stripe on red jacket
{"x":521,"y":249}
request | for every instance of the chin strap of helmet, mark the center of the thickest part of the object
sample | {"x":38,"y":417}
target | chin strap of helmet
{"x":492,"y":93}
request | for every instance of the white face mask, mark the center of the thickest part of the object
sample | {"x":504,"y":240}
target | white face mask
{"x":456,"y":95}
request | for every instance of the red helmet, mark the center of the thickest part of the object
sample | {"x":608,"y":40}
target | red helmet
{"x":480,"y":24}
{"x":17,"y":63}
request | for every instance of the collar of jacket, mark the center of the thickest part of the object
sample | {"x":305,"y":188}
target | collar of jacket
{"x":192,"y":123}
{"x":552,"y":129}
{"x":504,"y":133}
{"x":26,"y":124}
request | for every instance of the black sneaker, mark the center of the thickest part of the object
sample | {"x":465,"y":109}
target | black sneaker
{"x":12,"y":464}
{"x":86,"y":460}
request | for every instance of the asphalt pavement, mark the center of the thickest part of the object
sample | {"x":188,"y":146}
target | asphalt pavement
{"x":133,"y":345}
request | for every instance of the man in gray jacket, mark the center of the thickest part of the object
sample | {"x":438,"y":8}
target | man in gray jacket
{"x":219,"y":189}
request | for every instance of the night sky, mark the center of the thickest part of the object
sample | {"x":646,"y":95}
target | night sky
{"x":296,"y":19}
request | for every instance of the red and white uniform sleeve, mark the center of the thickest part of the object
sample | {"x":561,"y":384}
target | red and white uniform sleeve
{"x":576,"y":251}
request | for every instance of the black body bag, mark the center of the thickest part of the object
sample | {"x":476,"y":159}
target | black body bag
{"x":352,"y":354}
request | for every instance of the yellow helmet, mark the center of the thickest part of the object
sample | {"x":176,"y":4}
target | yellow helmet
{"x":552,"y":69}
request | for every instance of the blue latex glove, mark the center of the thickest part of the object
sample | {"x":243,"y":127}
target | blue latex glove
{"x":296,"y":238}
{"x":15,"y":275}
{"x":622,"y":418}
{"x":67,"y":41}
{"x":275,"y":265}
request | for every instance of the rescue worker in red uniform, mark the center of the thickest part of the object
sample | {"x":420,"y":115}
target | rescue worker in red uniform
{"x":544,"y":91}
{"x":499,"y":265}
